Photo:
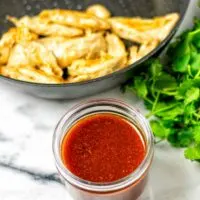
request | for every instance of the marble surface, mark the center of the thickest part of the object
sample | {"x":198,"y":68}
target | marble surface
{"x":27,"y":170}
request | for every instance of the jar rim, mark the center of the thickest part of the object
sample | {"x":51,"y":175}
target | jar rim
{"x":105,"y":186}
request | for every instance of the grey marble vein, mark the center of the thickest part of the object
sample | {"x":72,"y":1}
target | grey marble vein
{"x":3,"y":138}
{"x":37,"y":176}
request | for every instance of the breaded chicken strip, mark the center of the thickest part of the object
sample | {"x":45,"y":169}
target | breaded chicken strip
{"x":146,"y":48}
{"x":34,"y":54}
{"x":68,"y":50}
{"x":116,"y":48}
{"x":14,"y":35}
{"x":6,"y":43}
{"x":29,"y":74}
{"x":90,"y":69}
{"x":169,"y":21}
{"x":75,"y":19}
{"x":133,"y":54}
{"x":42,"y":27}
{"x":136,"y":53}
{"x":99,"y":10}
{"x":144,"y":30}
{"x":113,"y":60}
{"x":24,"y":35}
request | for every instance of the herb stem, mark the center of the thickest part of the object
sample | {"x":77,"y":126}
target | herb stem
{"x":148,"y":100}
{"x":189,"y":71}
{"x":156,"y":101}
{"x":196,"y":115}
{"x":161,"y":110}
{"x":169,"y":93}
{"x":197,"y":75}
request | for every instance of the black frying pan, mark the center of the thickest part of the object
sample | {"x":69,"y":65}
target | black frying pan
{"x":143,"y":8}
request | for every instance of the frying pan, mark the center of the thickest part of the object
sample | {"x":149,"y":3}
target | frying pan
{"x":143,"y":8}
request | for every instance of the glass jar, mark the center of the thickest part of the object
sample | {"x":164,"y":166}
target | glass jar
{"x":127,"y":188}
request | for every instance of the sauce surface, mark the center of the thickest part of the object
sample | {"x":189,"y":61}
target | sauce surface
{"x":102,"y":148}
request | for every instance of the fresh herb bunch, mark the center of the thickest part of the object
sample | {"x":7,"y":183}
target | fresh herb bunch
{"x":172,"y":94}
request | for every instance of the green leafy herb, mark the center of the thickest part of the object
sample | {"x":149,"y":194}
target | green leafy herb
{"x":193,"y":153}
{"x":159,"y":129}
{"x":191,"y":95}
{"x":140,"y":87}
{"x":181,"y":138}
{"x":172,"y":93}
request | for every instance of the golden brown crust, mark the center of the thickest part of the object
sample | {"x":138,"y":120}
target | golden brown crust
{"x":143,"y":30}
{"x":13,"y":36}
{"x":42,"y":27}
{"x":29,"y":74}
{"x":66,"y":51}
{"x":95,"y":68}
{"x":75,"y":19}
{"x":99,"y":11}
{"x":35,"y":55}
{"x":116,"y":48}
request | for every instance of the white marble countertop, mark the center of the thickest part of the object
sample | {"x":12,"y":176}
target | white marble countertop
{"x":27,"y":170}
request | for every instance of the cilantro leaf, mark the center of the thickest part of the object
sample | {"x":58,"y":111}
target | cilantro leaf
{"x":194,"y":62}
{"x":140,"y":87}
{"x":191,"y":95}
{"x":182,"y":138}
{"x":181,"y":56}
{"x":168,"y":110}
{"x":180,"y":64}
{"x":193,"y":153}
{"x":165,"y":82}
{"x":185,"y":85}
{"x":189,"y":112}
{"x":196,"y":131}
{"x":155,"y":69}
{"x":159,"y":129}
{"x":194,"y":37}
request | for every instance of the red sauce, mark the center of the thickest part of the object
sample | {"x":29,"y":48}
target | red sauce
{"x":102,"y":148}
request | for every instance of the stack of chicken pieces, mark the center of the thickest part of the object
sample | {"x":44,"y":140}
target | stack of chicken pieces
{"x":65,"y":46}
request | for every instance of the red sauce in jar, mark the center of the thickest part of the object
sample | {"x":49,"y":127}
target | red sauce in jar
{"x":102,"y":148}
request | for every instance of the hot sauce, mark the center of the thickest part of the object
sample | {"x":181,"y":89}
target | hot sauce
{"x":102,"y":148}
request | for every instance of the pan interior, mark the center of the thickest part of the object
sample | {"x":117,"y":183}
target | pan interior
{"x":143,"y":8}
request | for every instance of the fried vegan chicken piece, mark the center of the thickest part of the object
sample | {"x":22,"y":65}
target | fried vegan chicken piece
{"x":116,"y":48}
{"x":6,"y":43}
{"x":143,"y":30}
{"x":147,"y":48}
{"x":14,"y":35}
{"x":75,"y":19}
{"x":42,"y":27}
{"x":90,"y":69}
{"x":34,"y":54}
{"x":114,"y":59}
{"x":68,"y":50}
{"x":29,"y":74}
{"x":133,"y":54}
{"x":168,"y":21}
{"x":99,"y":10}
{"x":136,"y":53}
